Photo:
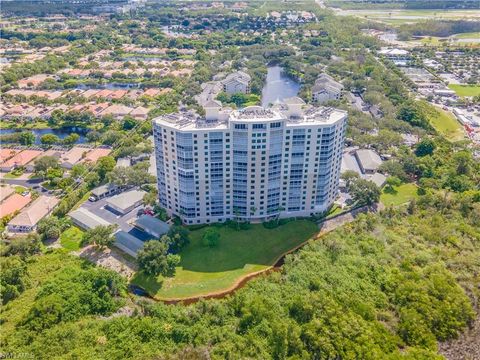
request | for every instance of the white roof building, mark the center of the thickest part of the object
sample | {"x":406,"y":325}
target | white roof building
{"x":326,"y":89}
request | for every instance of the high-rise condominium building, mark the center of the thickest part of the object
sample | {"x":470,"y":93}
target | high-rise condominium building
{"x":256,"y":163}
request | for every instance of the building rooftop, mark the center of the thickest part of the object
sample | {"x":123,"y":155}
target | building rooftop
{"x":292,"y":111}
{"x":152,"y":225}
{"x":22,"y":158}
{"x":126,"y":199}
{"x":6,"y":191}
{"x":128,"y":243}
{"x":368,"y":159}
{"x":35,"y":212}
{"x":102,"y":189}
{"x":87,"y":218}
{"x":13,"y":203}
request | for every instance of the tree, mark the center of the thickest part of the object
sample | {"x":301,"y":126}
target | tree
{"x":13,"y":277}
{"x":42,"y":164}
{"x":51,"y":227}
{"x":105,"y":164}
{"x":24,"y":246}
{"x":364,"y":192}
{"x":211,"y":237}
{"x":425,"y":147}
{"x":27,"y":138}
{"x":129,"y":123}
{"x":49,"y":139}
{"x":71,"y":139}
{"x":154,"y":260}
{"x":391,"y":182}
{"x":150,"y":198}
{"x":179,"y":238}
{"x":100,"y":236}
{"x":349,"y":176}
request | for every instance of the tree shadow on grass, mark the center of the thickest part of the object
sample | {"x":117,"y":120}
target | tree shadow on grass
{"x":149,"y":283}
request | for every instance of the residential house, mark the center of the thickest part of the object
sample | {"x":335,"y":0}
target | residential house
{"x":326,"y":89}
{"x":73,"y":156}
{"x":29,"y":217}
{"x":19,"y":160}
{"x":237,"y":82}
{"x":14,"y":203}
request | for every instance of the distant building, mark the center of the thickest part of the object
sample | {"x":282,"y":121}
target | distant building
{"x":126,"y":202}
{"x":399,"y":57}
{"x":326,"y":89}
{"x":87,"y":220}
{"x":237,"y":82}
{"x":28,"y":219}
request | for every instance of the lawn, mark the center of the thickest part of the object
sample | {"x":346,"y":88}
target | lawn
{"x":401,"y":195}
{"x":445,"y":123}
{"x":71,"y":238}
{"x":465,"y":90}
{"x":204,"y":270}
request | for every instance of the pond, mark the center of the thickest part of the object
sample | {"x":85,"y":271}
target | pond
{"x":278,"y":86}
{"x":109,"y":86}
{"x":61,"y":133}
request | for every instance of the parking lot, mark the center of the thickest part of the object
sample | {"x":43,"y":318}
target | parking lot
{"x":123,"y":221}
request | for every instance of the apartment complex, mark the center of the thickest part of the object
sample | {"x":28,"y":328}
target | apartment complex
{"x":256,"y":163}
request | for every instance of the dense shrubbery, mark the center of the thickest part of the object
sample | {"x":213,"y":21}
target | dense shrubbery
{"x":386,"y":286}
{"x":72,"y":294}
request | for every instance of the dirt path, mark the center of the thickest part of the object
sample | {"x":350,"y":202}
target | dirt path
{"x":466,"y":347}
{"x":108,"y":258}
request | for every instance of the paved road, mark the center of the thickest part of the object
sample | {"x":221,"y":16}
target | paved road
{"x":30,"y":183}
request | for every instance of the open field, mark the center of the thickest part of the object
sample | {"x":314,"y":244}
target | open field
{"x":204,"y":270}
{"x":465,"y":90}
{"x":445,"y":123}
{"x":397,"y":17}
{"x":401,"y":195}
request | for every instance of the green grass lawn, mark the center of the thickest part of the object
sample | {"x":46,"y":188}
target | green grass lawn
{"x":401,"y":195}
{"x":20,"y":189}
{"x":469,"y":35}
{"x":444,"y":122}
{"x":465,"y":90}
{"x":205,"y":270}
{"x":71,"y":238}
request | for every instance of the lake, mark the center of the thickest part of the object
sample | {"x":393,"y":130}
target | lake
{"x":61,"y":133}
{"x":278,"y":86}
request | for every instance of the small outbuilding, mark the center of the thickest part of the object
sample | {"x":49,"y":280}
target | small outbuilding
{"x":87,"y":220}
{"x":128,"y":243}
{"x":152,"y":226}
{"x":368,"y":160}
{"x":126,"y":202}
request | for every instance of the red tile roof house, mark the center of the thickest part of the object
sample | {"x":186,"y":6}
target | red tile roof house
{"x":73,"y":156}
{"x":55,"y":153}
{"x":96,"y":154}
{"x":140,"y":113}
{"x":19,"y":160}
{"x":6,"y":191}
{"x":29,"y":217}
{"x":6,"y":154}
{"x":13,"y":203}
{"x":118,"y":111}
